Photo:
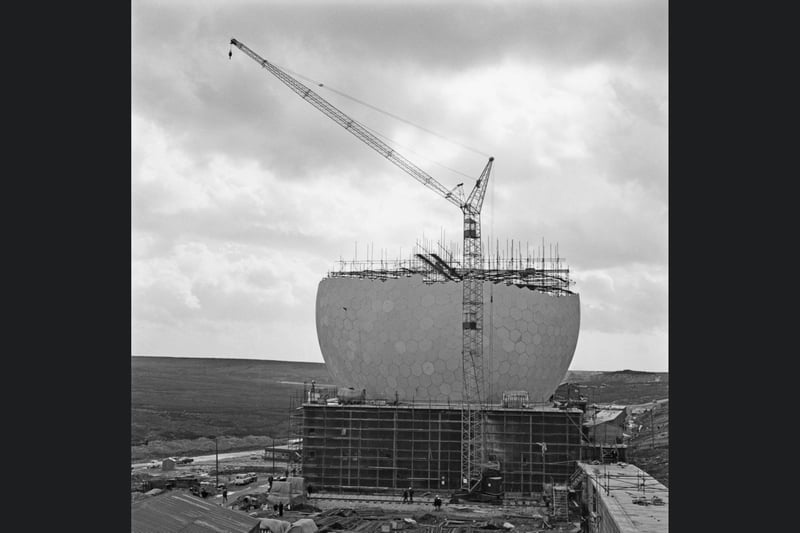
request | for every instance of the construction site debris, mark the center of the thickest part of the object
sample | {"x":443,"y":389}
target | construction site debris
{"x":305,"y":507}
{"x":427,"y":518}
{"x":304,"y":525}
{"x":274,"y":526}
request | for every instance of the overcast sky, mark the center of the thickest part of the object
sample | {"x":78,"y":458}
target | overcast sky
{"x":243,"y":195}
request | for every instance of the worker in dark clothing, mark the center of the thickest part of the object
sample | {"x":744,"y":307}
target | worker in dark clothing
{"x":547,"y":491}
{"x":309,"y":490}
{"x":280,"y":509}
{"x":405,"y":496}
{"x":410,"y":495}
{"x":437,"y":503}
{"x":584,"y":518}
{"x":224,"y":495}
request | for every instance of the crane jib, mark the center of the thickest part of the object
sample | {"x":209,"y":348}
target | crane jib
{"x":352,"y":126}
{"x":473,"y":438}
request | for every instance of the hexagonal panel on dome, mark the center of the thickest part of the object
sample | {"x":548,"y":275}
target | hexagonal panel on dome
{"x":398,"y":335}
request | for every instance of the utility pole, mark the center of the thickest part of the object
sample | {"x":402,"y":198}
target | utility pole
{"x":652,"y":429}
{"x":544,"y":450}
{"x":544,"y":464}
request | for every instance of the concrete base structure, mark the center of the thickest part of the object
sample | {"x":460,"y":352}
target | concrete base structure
{"x":621,"y":498}
{"x":377,"y":446}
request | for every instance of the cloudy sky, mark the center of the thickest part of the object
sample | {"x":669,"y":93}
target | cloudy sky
{"x":243,"y":196}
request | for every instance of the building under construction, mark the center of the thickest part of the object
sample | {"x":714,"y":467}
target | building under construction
{"x":535,"y":269}
{"x":436,"y":342}
{"x":374,"y":445}
{"x":392,"y":329}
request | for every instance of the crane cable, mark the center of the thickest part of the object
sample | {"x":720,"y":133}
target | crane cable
{"x":319,"y":84}
{"x":379,"y":110}
{"x":412,"y":151}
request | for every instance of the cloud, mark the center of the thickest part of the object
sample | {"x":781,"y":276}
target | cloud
{"x":244,"y":196}
{"x":630,"y":300}
{"x":615,"y":351}
{"x":184,"y":80}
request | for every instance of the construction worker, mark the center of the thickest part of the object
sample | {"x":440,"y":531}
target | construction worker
{"x":411,"y":494}
{"x":405,"y":496}
{"x":547,"y":491}
{"x":224,"y":495}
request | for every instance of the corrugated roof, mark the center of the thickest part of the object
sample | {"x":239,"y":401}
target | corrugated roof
{"x":601,"y":417}
{"x":184,"y":513}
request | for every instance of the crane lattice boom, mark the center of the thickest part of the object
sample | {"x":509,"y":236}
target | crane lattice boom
{"x":472,"y":412}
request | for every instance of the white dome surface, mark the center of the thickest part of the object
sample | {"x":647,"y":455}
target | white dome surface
{"x":404,"y":336}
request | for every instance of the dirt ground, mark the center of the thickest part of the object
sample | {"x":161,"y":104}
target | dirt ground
{"x":228,"y":467}
{"x":364,"y":513}
{"x":344,"y":513}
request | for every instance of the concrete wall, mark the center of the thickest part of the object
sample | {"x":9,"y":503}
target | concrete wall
{"x":601,"y":520}
{"x":405,"y":336}
{"x":390,"y":447}
{"x":607,"y":433}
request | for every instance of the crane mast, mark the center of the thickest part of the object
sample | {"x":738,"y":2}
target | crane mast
{"x":473,"y":444}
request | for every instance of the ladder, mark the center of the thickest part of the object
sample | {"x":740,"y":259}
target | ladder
{"x":575,"y":479}
{"x":560,"y":497}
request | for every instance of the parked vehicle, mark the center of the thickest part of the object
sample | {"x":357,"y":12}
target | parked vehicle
{"x":244,"y":479}
{"x":205,"y":489}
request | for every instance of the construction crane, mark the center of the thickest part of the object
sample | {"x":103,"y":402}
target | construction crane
{"x":473,"y":444}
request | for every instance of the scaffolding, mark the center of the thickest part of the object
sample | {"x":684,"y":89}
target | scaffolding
{"x":376,"y":445}
{"x":437,"y":264}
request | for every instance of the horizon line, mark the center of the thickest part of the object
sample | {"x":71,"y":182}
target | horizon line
{"x":261,"y":358}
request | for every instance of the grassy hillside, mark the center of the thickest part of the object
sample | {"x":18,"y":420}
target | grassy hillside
{"x":622,"y":386}
{"x":649,"y":447}
{"x":177,"y":402}
{"x":187,"y":398}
